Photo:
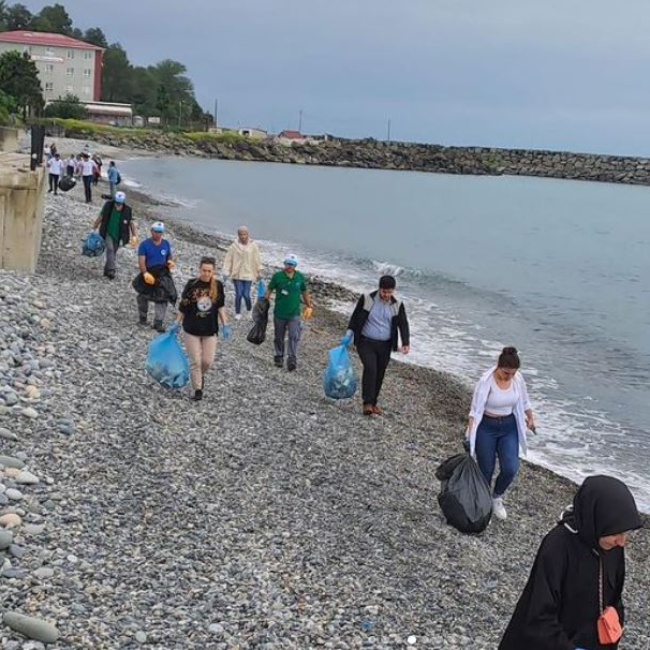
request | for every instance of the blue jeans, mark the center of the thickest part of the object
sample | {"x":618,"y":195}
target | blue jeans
{"x":242,"y":290}
{"x":498,"y":437}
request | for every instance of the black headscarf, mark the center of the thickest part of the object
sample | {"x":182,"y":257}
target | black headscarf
{"x":604,"y":506}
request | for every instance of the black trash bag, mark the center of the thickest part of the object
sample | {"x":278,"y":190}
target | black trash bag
{"x":164,"y":290}
{"x":67,"y":183}
{"x":464,"y":497}
{"x":257,"y":334}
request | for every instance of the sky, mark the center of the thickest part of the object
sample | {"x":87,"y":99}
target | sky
{"x":555,"y":74}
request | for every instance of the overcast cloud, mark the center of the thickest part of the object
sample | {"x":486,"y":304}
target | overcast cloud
{"x":514,"y":73}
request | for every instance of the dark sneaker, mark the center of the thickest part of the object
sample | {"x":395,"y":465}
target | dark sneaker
{"x":158,"y":326}
{"x":143,"y":320}
{"x":278,"y":361}
{"x":291,"y":366}
{"x":110,"y":275}
{"x":198,"y":396}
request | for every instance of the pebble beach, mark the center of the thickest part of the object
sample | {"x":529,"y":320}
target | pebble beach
{"x":265,"y":516}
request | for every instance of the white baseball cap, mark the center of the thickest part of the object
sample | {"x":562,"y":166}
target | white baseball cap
{"x":120,"y":197}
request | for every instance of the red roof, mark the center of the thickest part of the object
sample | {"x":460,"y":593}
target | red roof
{"x":291,"y":135}
{"x":42,"y":38}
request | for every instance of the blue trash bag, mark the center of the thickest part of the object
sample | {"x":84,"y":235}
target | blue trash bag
{"x":166,"y":361}
{"x":260,"y":289}
{"x":93,"y":245}
{"x":339,"y":381}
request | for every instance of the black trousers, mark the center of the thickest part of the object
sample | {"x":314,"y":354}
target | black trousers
{"x":375,"y":357}
{"x":54,"y":183}
{"x":88,"y":188}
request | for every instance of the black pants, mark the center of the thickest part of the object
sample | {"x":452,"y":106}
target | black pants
{"x":88,"y":188}
{"x":375,"y":357}
{"x":54,"y":183}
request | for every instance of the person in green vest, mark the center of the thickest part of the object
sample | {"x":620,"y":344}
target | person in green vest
{"x":117,"y":228}
{"x":290,"y":290}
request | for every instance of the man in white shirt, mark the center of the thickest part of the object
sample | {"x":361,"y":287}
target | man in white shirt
{"x":70,"y":165}
{"x":55,"y":166}
{"x":87,"y":174}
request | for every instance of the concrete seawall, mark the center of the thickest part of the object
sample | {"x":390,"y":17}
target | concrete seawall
{"x":21,"y":212}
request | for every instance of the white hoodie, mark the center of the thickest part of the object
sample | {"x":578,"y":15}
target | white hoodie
{"x":243,"y":262}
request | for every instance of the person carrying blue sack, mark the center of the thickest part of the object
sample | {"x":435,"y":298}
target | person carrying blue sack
{"x":117,"y":228}
{"x":377,"y":324}
{"x":201,"y":310}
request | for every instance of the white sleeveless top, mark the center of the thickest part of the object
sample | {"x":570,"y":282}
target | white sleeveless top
{"x":501,"y":401}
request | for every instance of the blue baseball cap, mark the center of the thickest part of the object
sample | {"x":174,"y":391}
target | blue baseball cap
{"x":291,"y":260}
{"x":159,"y":226}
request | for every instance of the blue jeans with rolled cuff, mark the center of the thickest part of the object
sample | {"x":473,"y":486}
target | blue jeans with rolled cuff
{"x":498,"y":438}
{"x":242,"y":290}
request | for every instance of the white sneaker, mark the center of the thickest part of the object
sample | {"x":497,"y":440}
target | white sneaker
{"x":237,"y":316}
{"x":499,"y":509}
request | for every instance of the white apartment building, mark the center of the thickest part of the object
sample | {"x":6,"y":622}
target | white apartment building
{"x":65,"y":65}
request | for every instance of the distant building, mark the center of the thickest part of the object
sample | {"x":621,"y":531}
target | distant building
{"x":111,"y":113}
{"x":291,"y":135}
{"x":254,"y":133}
{"x":65,"y":65}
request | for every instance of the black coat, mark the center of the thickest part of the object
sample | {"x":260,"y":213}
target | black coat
{"x":399,"y":322}
{"x":559,"y":607}
{"x":125,"y":222}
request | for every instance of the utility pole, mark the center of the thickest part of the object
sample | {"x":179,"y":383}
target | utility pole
{"x":388,"y":134}
{"x":300,"y":121}
{"x":180,"y":113}
{"x":216,"y":112}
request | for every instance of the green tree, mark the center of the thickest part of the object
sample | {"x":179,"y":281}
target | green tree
{"x":163,"y":103}
{"x":53,"y":18}
{"x":19,"y":78}
{"x":117,"y":75}
{"x":3,"y":15}
{"x":67,"y":108}
{"x":18,"y":17}
{"x":7,"y":108}
{"x":95,"y":36}
{"x":145,"y":92}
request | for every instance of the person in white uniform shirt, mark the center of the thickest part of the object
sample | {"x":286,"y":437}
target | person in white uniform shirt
{"x":88,"y":167}
{"x":499,"y":416}
{"x":55,"y":168}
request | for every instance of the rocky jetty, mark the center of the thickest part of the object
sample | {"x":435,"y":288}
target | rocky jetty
{"x":375,"y":154}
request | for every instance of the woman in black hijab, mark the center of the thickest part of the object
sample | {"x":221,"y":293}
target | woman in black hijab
{"x":561,"y":604}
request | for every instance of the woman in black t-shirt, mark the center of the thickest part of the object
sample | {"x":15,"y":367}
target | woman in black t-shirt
{"x":201,"y":311}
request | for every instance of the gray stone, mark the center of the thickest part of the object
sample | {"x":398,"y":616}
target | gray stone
{"x":32,"y":628}
{"x":14,"y":494}
{"x":10,"y":461}
{"x":27,"y":478}
{"x":5,"y":434}
{"x":43,"y":573}
{"x":30,"y":413}
{"x":141,"y":637}
{"x":6,"y":539}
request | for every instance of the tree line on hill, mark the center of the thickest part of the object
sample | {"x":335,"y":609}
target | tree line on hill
{"x":162,"y":90}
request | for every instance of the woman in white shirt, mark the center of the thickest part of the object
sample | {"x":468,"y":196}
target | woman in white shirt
{"x":500,"y":414}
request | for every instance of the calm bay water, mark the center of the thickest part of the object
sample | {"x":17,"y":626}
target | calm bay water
{"x":560,"y":269}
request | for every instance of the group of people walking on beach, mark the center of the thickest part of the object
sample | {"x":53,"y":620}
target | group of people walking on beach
{"x":573,"y":598}
{"x":83,"y":166}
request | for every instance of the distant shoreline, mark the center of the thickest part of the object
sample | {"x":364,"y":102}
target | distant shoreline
{"x":372,"y":154}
